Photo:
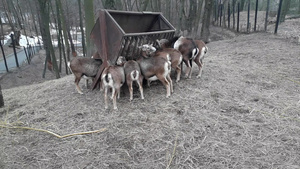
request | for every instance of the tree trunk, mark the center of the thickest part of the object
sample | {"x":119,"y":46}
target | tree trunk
{"x":299,"y":7}
{"x":146,"y":2}
{"x":81,"y":29}
{"x":45,"y":31}
{"x":74,"y":53}
{"x":89,"y":24}
{"x":192,"y":16}
{"x":14,"y":12}
{"x":182,"y":17}
{"x":34,"y":21}
{"x":60,"y":36}
{"x":1,"y":98}
{"x":2,"y":32}
{"x":108,"y":4}
{"x":64,"y":27}
{"x":205,"y":33}
{"x":225,"y":5}
{"x":23,"y":21}
{"x":198,"y":18}
{"x":8,"y":15}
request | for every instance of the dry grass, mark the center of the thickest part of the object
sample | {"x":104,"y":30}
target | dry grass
{"x":243,"y":113}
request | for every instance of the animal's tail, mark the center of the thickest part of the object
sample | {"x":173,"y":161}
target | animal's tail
{"x":134,"y":75}
{"x":195,"y":52}
{"x":206,"y":49}
{"x":108,"y":78}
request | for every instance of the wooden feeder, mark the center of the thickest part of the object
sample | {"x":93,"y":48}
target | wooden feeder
{"x":119,"y":33}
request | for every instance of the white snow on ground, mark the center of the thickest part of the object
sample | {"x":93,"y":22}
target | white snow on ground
{"x":23,"y":40}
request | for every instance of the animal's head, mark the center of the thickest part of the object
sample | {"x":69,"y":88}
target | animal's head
{"x":161,"y":42}
{"x":121,"y":60}
{"x":148,"y":48}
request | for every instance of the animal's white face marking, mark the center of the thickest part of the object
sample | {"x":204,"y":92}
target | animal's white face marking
{"x":121,"y":60}
{"x":148,"y":48}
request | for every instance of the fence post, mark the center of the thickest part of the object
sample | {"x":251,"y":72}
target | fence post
{"x":14,"y":47}
{"x":1,"y":98}
{"x":216,"y":10}
{"x":267,"y":15}
{"x":255,"y":20}
{"x":278,"y":17}
{"x":248,"y":17}
{"x":238,"y":19}
{"x":221,"y":13}
{"x":26,"y":55}
{"x":31,"y":51}
{"x":4,"y":57}
{"x":229,"y":15}
{"x":233,"y":14}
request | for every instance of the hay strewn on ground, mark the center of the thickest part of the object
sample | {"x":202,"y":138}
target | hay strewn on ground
{"x":242,"y":113}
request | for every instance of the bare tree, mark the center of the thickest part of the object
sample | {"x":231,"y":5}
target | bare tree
{"x":64,"y":27}
{"x":1,"y":98}
{"x":89,"y":23}
{"x":81,"y":29}
{"x":45,"y":32}
{"x":205,"y":33}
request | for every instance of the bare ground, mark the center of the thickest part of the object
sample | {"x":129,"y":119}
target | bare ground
{"x":242,"y":113}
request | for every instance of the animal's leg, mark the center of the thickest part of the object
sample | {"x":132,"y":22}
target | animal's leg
{"x":188,"y":67}
{"x":190,"y":73}
{"x":165,"y":83}
{"x":113,"y":90}
{"x":200,"y":67}
{"x":77,"y":85}
{"x":129,"y":84}
{"x":170,"y":82}
{"x":178,"y":71}
{"x":140,"y":83}
{"x":115,"y":98}
{"x":105,"y":96}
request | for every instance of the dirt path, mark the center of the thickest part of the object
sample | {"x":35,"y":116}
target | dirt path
{"x":242,"y":113}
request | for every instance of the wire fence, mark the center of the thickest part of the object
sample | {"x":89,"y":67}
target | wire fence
{"x":247,"y":16}
{"x":24,"y":54}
